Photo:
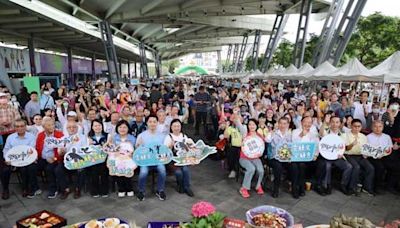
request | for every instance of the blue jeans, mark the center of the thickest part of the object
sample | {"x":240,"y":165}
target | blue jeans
{"x":182,"y":175}
{"x":162,"y":175}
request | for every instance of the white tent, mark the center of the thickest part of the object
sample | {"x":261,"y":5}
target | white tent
{"x":354,"y":70}
{"x":289,"y":72}
{"x":257,"y":74}
{"x":388,"y":69}
{"x":322,"y":72}
{"x":303,"y":71}
{"x":276,"y":73}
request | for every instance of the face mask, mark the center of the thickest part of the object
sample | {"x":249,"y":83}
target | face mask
{"x":395,"y":107}
{"x":375,"y":110}
{"x":46,"y":93}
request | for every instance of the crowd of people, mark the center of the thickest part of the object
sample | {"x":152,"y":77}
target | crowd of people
{"x":156,"y":113}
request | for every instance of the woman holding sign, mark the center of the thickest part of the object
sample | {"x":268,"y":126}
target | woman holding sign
{"x":297,"y":169}
{"x":122,"y":136}
{"x":251,"y":151}
{"x":182,"y":173}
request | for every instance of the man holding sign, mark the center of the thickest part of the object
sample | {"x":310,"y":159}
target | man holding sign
{"x":378,"y":140}
{"x":354,"y":141}
{"x":28,"y":173}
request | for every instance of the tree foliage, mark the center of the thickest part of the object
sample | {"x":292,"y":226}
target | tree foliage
{"x":171,"y":65}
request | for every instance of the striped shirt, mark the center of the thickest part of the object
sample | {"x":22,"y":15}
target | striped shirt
{"x":8,"y":115}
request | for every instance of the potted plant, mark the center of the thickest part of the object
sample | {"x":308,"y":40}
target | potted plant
{"x":204,"y":215}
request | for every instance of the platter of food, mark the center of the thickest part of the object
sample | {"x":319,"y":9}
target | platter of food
{"x":105,"y":223}
{"x":42,"y":219}
{"x":269,"y":216}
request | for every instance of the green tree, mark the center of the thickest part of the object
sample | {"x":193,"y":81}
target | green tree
{"x":375,"y":38}
{"x":283,"y":54}
{"x":171,"y":65}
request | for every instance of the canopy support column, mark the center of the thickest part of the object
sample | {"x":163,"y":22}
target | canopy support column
{"x":93,"y":67}
{"x":300,"y":45}
{"x":239,"y":64}
{"x":143,"y":61}
{"x":31,"y":47}
{"x":71,"y":79}
{"x":157,"y":64}
{"x":235,"y":57}
{"x":111,"y":54}
{"x":256,"y":48}
{"x":228,"y":58}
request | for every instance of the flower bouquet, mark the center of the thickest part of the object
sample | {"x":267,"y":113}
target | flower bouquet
{"x":205,"y":216}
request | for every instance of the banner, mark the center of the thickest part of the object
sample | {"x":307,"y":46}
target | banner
{"x":120,"y":161}
{"x":331,"y":147}
{"x":152,"y":155}
{"x":135,"y":82}
{"x":82,"y":157}
{"x":253,"y":146}
{"x":22,"y":155}
{"x":189,"y":153}
{"x":32,"y":84}
{"x":374,"y":151}
{"x":296,"y":152}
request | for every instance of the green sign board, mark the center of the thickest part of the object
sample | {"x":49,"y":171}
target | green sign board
{"x":32,"y":84}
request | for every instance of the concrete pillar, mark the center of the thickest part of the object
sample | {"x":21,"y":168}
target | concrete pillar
{"x":31,"y":48}
{"x":71,"y":79}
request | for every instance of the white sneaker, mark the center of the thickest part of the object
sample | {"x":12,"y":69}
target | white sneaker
{"x":38,"y":192}
{"x":130,"y":194}
{"x":232,"y":174}
{"x":121,"y":194}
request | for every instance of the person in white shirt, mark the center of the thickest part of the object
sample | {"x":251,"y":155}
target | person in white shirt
{"x":297,"y":169}
{"x":362,"y":108}
{"x":163,"y":125}
{"x":379,"y":139}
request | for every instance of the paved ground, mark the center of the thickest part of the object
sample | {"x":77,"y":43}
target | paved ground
{"x":210,"y":184}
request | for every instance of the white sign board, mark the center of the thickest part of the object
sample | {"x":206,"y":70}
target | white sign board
{"x":374,"y":151}
{"x":253,"y":146}
{"x":331,"y":147}
{"x":22,"y":155}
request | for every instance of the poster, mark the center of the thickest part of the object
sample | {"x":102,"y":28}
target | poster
{"x":296,"y":152}
{"x":32,"y":84}
{"x":82,"y":157}
{"x":331,"y":147}
{"x":22,"y":155}
{"x":189,"y":153}
{"x":253,"y":146}
{"x":135,"y":82}
{"x":374,"y":151}
{"x":119,"y":162}
{"x":152,"y":155}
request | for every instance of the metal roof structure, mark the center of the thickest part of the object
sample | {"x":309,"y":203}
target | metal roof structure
{"x":170,"y":27}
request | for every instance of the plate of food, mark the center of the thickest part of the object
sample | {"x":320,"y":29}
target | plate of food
{"x":105,"y":223}
{"x":269,"y":216}
{"x":42,"y":219}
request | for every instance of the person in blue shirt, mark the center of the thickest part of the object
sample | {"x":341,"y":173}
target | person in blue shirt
{"x":122,"y":136}
{"x":28,"y":173}
{"x":151,"y":136}
{"x":46,"y":101}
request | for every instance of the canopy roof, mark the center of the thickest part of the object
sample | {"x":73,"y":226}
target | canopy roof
{"x":354,"y":70}
{"x":389,"y":69}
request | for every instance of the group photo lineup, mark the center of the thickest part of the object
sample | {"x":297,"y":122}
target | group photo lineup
{"x":199,"y":114}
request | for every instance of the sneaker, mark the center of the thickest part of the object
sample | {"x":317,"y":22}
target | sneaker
{"x":104,"y":196}
{"x":244,"y":192}
{"x":96,"y":196}
{"x":232,"y":174}
{"x":161,"y":195}
{"x":130,"y":194}
{"x":38,"y":192}
{"x":260,"y":191}
{"x":140,"y":196}
{"x":189,"y":192}
{"x":369,"y":193}
{"x":121,"y":194}
{"x":32,"y":195}
{"x":65,"y":194}
{"x":52,"y":195}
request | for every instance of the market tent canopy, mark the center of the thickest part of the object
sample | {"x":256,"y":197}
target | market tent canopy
{"x":289,"y":72}
{"x":322,"y":72}
{"x":388,"y":69}
{"x":354,"y":70}
{"x":303,"y":71}
{"x":257,"y":74}
{"x":198,"y":70}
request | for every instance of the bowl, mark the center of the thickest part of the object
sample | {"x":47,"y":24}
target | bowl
{"x":269,"y":209}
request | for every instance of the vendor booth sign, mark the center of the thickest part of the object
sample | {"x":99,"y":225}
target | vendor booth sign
{"x":152,"y":155}
{"x":120,"y":161}
{"x":82,"y":157}
{"x":253,"y":147}
{"x":331,"y":147}
{"x":374,"y":151}
{"x":296,"y":152}
{"x":189,"y":153}
{"x":22,"y":155}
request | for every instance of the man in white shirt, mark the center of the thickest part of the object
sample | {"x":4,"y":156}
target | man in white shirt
{"x":362,"y":108}
{"x":378,"y":139}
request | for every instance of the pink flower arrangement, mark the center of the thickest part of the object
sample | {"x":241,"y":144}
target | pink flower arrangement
{"x":202,"y":209}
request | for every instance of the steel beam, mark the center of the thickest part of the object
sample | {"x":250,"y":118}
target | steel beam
{"x":228,"y":58}
{"x":143,"y":61}
{"x":321,"y":51}
{"x":276,"y":34}
{"x":342,"y":33}
{"x":31,"y":48}
{"x":239,"y":65}
{"x":255,"y":49}
{"x":71,"y":79}
{"x":235,"y":57}
{"x":111,"y":54}
{"x":157,"y":64}
{"x":300,"y":45}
